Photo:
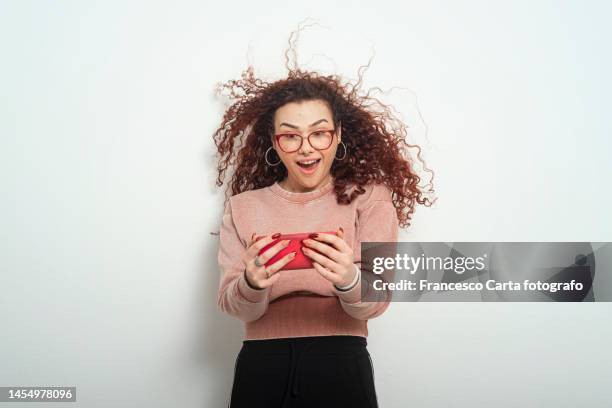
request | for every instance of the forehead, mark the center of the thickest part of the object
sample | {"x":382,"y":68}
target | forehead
{"x":302,"y":113}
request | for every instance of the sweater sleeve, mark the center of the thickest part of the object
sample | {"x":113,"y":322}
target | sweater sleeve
{"x":378,"y":222}
{"x":235,"y":296}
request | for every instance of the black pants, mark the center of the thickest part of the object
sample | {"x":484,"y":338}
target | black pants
{"x":304,"y":372}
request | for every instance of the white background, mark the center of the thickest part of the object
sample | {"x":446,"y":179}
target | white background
{"x":108,"y":270}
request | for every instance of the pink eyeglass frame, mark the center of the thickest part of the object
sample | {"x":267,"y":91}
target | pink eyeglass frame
{"x":278,"y":136}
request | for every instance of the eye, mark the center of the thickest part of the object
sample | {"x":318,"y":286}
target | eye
{"x":290,"y":136}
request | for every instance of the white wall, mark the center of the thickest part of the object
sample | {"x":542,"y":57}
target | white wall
{"x":109,"y":273}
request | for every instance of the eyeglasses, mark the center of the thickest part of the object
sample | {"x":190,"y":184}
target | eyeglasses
{"x":292,"y":142}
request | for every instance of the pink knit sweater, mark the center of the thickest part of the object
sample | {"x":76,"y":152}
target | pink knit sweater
{"x":302,"y":302}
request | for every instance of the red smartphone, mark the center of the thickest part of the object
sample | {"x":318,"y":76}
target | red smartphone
{"x":301,"y":261}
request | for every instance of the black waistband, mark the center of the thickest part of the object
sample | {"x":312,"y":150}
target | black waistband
{"x":324,"y":344}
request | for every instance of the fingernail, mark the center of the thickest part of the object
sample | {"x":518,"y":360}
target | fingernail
{"x":313,"y":235}
{"x":341,"y":230}
{"x":292,"y":255}
{"x":278,"y":234}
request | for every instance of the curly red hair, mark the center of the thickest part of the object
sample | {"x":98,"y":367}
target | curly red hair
{"x":374,"y":137}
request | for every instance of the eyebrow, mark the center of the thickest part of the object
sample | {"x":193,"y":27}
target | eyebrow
{"x":295,"y":127}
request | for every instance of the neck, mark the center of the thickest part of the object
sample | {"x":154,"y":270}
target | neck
{"x":293,"y":187}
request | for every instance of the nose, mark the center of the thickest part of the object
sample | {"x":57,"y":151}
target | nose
{"x":306,"y":147}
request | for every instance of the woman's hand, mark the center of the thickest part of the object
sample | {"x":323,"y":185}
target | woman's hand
{"x":335,"y":261}
{"x":260,"y":277}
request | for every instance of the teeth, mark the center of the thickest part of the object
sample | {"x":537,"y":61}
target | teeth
{"x":308,"y":162}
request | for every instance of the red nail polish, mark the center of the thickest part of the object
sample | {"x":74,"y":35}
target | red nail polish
{"x":314,"y":235}
{"x":278,"y":234}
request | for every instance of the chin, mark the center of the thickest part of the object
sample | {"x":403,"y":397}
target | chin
{"x":306,"y":182}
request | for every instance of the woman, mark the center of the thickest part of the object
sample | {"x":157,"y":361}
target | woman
{"x":311,"y":157}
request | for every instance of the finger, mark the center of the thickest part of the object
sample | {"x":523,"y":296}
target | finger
{"x":340,"y":233}
{"x":324,"y":248}
{"x":333,"y":240}
{"x":327,"y":274}
{"x":321,"y":259}
{"x":272,"y":251}
{"x":259,"y":244}
{"x":277,"y":266}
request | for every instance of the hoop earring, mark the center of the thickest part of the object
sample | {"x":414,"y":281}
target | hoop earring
{"x":343,"y":145}
{"x":267,"y":161}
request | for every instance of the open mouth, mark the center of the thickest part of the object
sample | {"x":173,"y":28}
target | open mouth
{"x":309,"y":166}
